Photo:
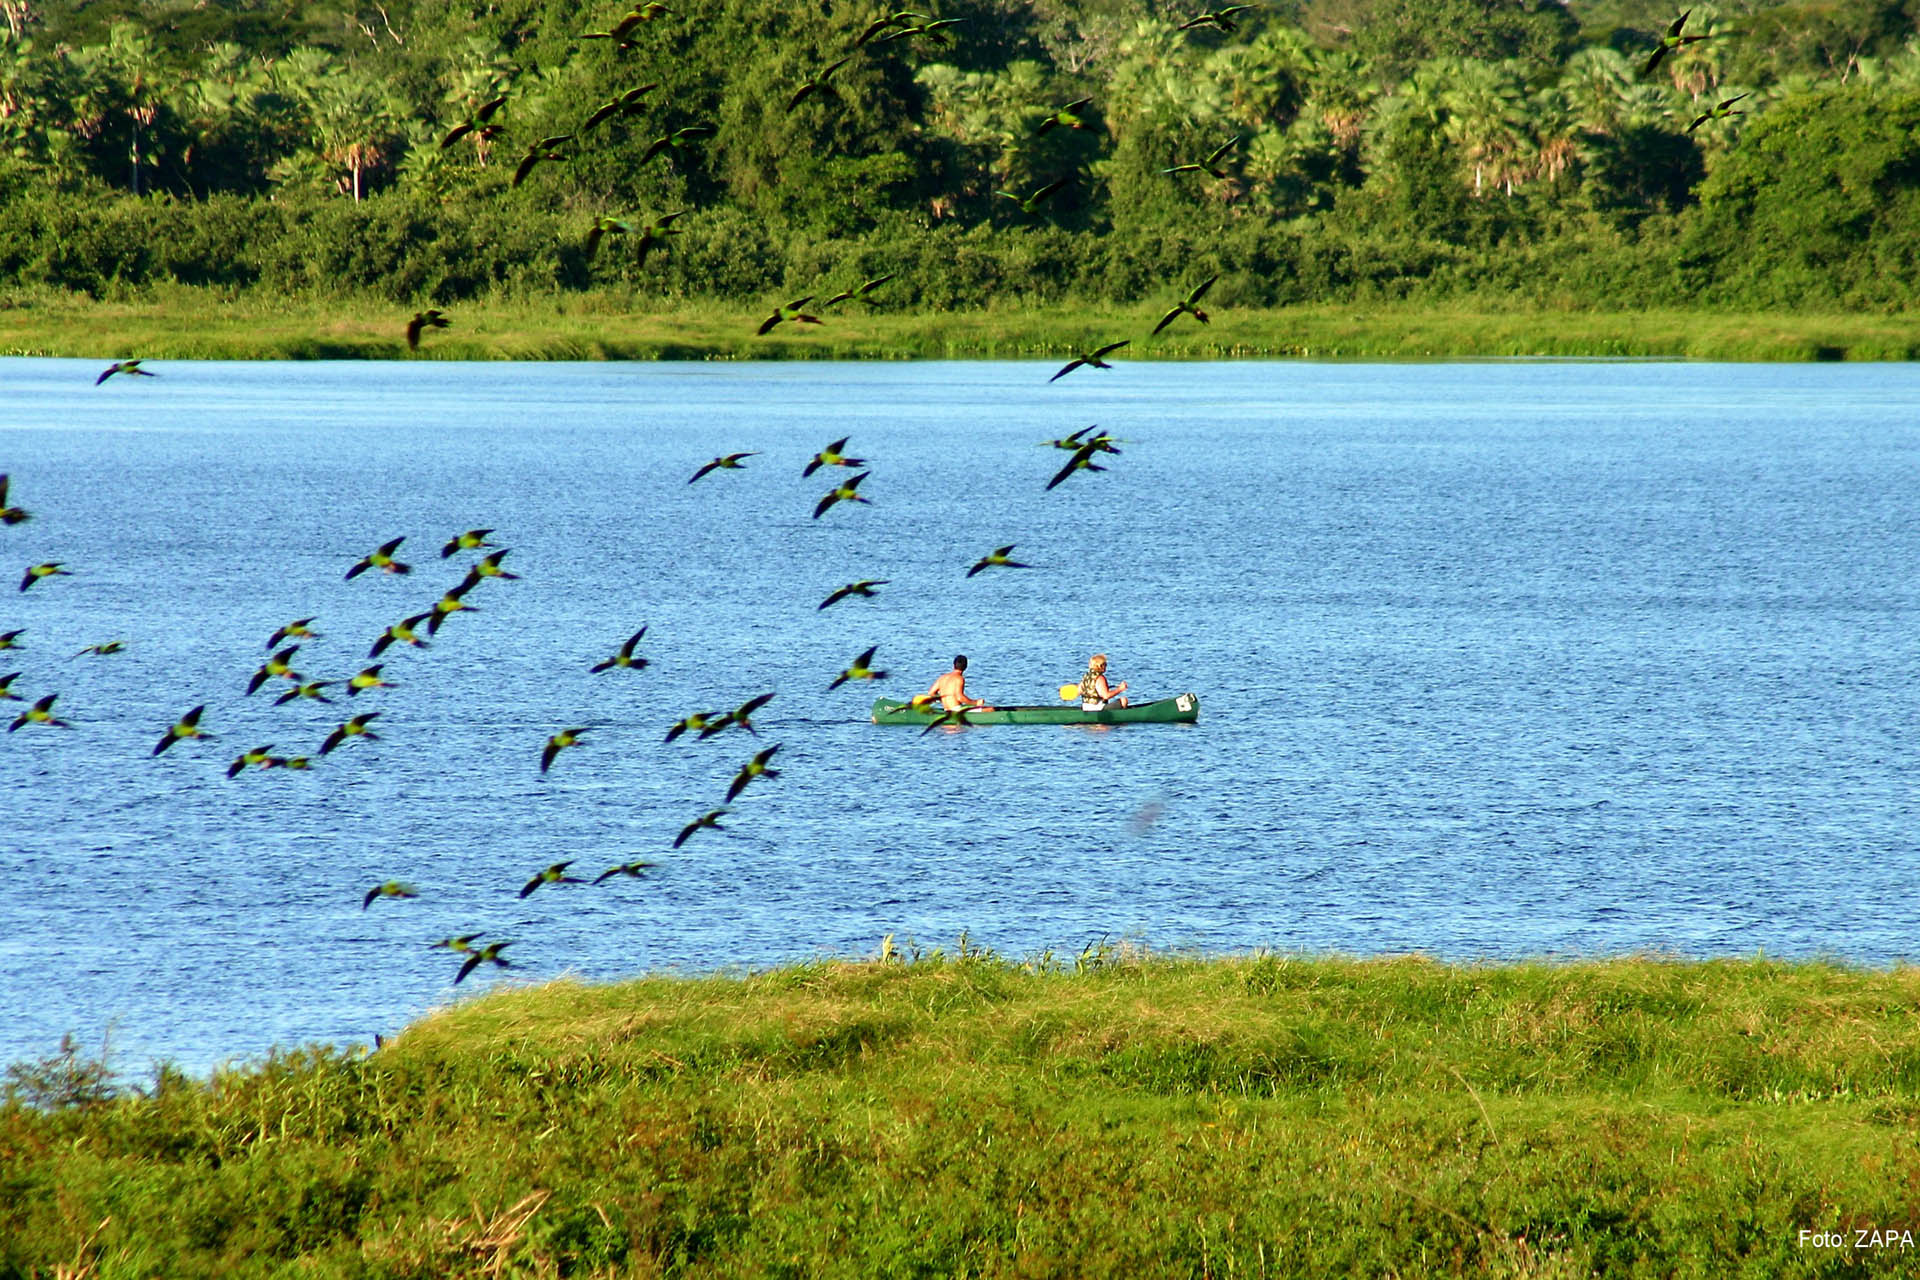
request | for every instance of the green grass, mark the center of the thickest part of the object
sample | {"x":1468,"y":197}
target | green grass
{"x":962,"y":1115}
{"x":185,"y":323}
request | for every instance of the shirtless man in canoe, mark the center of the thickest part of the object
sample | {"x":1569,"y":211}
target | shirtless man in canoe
{"x":951,"y":689}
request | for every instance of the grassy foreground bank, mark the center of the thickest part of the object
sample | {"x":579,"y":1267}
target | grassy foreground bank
{"x":967,"y":1116}
{"x":182,"y":324}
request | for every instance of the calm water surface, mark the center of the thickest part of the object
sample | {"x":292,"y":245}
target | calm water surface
{"x":1495,"y":660}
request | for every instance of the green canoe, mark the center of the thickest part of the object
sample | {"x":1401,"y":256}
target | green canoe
{"x":1184,"y":709}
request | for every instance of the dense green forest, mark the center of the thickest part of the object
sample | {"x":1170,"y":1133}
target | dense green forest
{"x":1340,"y":149}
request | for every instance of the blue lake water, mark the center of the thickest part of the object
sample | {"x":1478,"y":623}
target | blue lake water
{"x":1495,"y":660}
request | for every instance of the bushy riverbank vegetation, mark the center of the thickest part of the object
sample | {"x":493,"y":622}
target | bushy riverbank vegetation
{"x":961,"y":1114}
{"x":1381,"y":152}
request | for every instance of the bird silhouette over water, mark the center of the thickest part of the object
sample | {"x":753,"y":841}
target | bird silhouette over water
{"x":754,"y":768}
{"x":861,"y":668}
{"x":381,"y":558}
{"x":709,"y":820}
{"x":40,"y":712}
{"x":471,"y":540}
{"x":1082,"y":460}
{"x":557,"y":743}
{"x":11,"y":639}
{"x":741,"y":717}
{"x":842,"y":493}
{"x":130,"y":367}
{"x":298,"y":629}
{"x":730,"y":462}
{"x":280,"y":665}
{"x":864,"y":587}
{"x":6,"y":687}
{"x":998,"y":558}
{"x":246,"y":759}
{"x":187,"y":726}
{"x":555,"y":874}
{"x":402,"y":632}
{"x":10,"y":514}
{"x":103,"y":649}
{"x":51,"y":569}
{"x":391,"y":889}
{"x":311,"y":689}
{"x":488,"y":566}
{"x":354,"y":728}
{"x":367,"y":678}
{"x":1092,"y":359}
{"x":832,"y":456}
{"x":629,"y":869}
{"x":695,"y":723}
{"x":489,"y":954}
{"x":625,"y":657}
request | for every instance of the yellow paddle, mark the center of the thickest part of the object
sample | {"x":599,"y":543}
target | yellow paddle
{"x":1070,"y":692}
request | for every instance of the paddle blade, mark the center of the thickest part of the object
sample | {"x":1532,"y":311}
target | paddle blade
{"x":1069,"y":693}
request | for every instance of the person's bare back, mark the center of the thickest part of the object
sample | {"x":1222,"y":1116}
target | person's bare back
{"x":951,"y":689}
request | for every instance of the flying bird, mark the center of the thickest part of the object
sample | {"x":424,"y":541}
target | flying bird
{"x":632,"y":869}
{"x":792,"y":311}
{"x":555,"y":874}
{"x":741,"y":716}
{"x":1093,"y":360}
{"x":391,"y":889}
{"x":956,"y":718}
{"x":299,"y":629}
{"x":1190,"y":305}
{"x":620,"y":30}
{"x":626,"y":104}
{"x":476,"y":123}
{"x":10,"y":515}
{"x":402,"y":631}
{"x":259,"y":756}
{"x":864,"y":587}
{"x":471,"y":540}
{"x":11,"y":639}
{"x":1670,"y":42}
{"x":124,"y":366}
{"x":1211,"y":165}
{"x":187,"y":726}
{"x":541,"y":150}
{"x":368,"y":678}
{"x":1082,"y":460}
{"x":1066,"y":117}
{"x":431,"y":318}
{"x":488,"y":566}
{"x":1030,"y":203}
{"x":624,"y":658}
{"x":842,"y":493}
{"x":832,"y":456}
{"x":1220,"y":19}
{"x":452,"y":603}
{"x":286,"y":762}
{"x":711,"y":818}
{"x":556,"y":744}
{"x":490,"y":954}
{"x":860,"y":294}
{"x":997,"y":559}
{"x":280,"y":665}
{"x":675,"y":141}
{"x":462,"y":944}
{"x":821,"y":83}
{"x":860,"y":669}
{"x":310,"y":689}
{"x":382,"y":559}
{"x":730,"y":462}
{"x":601,"y":228}
{"x":656,"y":234}
{"x":904,"y":18}
{"x":354,"y":728}
{"x":697,"y":722}
{"x":6,"y":686}
{"x":754,"y":768}
{"x":51,"y":569}
{"x":102,"y":649}
{"x":1719,"y":111}
{"x":40,"y":712}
